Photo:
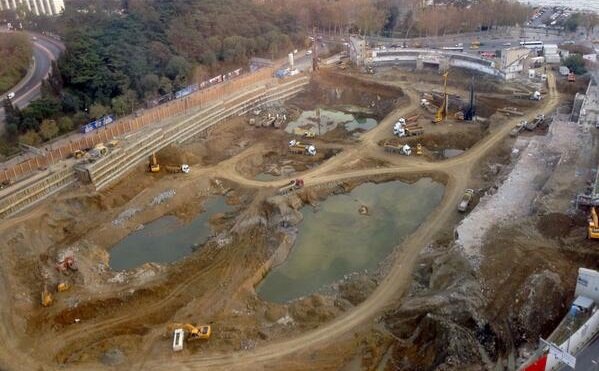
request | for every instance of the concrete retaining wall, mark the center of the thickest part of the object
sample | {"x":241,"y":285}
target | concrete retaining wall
{"x":137,"y":147}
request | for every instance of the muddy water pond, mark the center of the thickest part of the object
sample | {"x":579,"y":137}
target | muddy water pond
{"x":336,"y":239}
{"x":329,"y":120}
{"x":166,"y":239}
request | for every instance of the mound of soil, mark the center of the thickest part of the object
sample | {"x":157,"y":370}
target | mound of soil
{"x":175,"y":155}
{"x":555,"y":225}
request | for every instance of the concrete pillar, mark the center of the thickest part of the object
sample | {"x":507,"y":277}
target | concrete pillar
{"x":35,"y":8}
{"x":48,"y":8}
{"x":28,"y":2}
{"x":443,"y":64}
{"x":419,"y":64}
{"x":40,"y":6}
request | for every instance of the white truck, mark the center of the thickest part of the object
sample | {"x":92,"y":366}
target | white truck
{"x":465,"y":202}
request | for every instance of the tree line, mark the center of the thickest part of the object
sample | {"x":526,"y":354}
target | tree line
{"x":15,"y":54}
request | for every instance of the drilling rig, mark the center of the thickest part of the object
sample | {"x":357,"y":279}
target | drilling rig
{"x":442,"y":111}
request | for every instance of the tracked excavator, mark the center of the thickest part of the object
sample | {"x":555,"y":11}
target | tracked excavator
{"x":593,"y":231}
{"x":192,"y":332}
{"x":154,"y":165}
{"x":441,"y":113}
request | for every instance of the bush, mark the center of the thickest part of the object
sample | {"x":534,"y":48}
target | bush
{"x":48,"y":129}
{"x":31,"y":137}
{"x":575,"y":63}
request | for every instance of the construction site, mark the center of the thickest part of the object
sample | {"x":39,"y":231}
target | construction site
{"x":343,"y":218}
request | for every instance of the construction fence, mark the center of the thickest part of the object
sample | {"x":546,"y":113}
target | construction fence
{"x":130,"y":124}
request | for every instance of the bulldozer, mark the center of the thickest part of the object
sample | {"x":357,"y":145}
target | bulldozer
{"x":192,"y":332}
{"x":154,"y":167}
{"x":441,"y":113}
{"x":593,"y":229}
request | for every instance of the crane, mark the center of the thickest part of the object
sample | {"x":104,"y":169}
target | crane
{"x":442,"y":111}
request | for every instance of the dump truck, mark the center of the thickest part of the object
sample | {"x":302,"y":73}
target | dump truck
{"x":297,"y":147}
{"x":593,"y":229}
{"x":183,"y":168}
{"x":534,"y":123}
{"x":293,"y":185}
{"x":518,"y":128}
{"x":465,"y":202}
{"x":402,"y":149}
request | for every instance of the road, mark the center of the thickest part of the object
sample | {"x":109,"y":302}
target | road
{"x":45,"y":50}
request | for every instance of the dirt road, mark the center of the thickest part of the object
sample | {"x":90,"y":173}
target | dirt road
{"x":457,"y":172}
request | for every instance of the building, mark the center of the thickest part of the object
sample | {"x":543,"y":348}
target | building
{"x":37,"y":7}
{"x":512,"y":61}
{"x":357,"y":50}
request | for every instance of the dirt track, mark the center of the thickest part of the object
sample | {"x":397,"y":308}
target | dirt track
{"x":457,"y":170}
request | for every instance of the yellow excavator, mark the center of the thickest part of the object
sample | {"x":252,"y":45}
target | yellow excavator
{"x":154,"y":166}
{"x":593,"y":231}
{"x":192,"y":332}
{"x":442,"y":111}
{"x":47,"y":298}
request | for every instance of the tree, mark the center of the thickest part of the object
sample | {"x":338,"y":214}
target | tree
{"x":65,"y":124}
{"x":97,"y":110}
{"x":31,"y":138}
{"x":11,"y":113}
{"x":48,"y":129}
{"x":150,"y":84}
{"x":177,"y":66}
{"x":575,"y":63}
{"x":572,"y":22}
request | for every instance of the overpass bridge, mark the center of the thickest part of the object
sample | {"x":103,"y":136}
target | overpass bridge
{"x":442,"y":58}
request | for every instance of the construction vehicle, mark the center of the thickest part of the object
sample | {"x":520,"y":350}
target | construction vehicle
{"x":192,"y":332}
{"x":63,"y":286}
{"x":419,"y":149}
{"x":304,"y":133}
{"x":536,"y":95}
{"x":465,"y":202}
{"x":475,"y":44}
{"x":154,"y":166}
{"x":67,"y":264}
{"x":99,"y":150}
{"x":534,"y":123}
{"x":113,"y":143}
{"x":402,"y":149}
{"x":297,"y":147}
{"x":441,"y":113}
{"x":46,"y":298}
{"x":571,"y":77}
{"x":183,"y":168}
{"x":293,"y":185}
{"x":518,"y":128}
{"x":593,"y":230}
{"x":78,"y":154}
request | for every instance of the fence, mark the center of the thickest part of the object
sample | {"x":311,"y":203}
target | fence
{"x":129,"y":124}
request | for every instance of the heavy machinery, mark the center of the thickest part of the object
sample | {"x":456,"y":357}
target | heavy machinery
{"x":418,"y":149}
{"x":63,"y":286}
{"x":465,"y":202}
{"x":475,"y":44}
{"x":154,"y":166}
{"x":78,"y":154}
{"x":518,"y":128}
{"x":297,"y":147}
{"x":99,"y":150}
{"x":293,"y":185}
{"x":402,"y":149}
{"x":46,"y":298}
{"x":441,"y":113}
{"x":183,"y":168}
{"x":593,"y":229}
{"x":67,"y":264}
{"x":534,"y":123}
{"x":192,"y":332}
{"x":571,"y":77}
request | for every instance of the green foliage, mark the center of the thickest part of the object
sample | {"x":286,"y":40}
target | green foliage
{"x":575,"y":63}
{"x":65,"y":124}
{"x":15,"y":54}
{"x":48,"y":129}
{"x":31,"y":137}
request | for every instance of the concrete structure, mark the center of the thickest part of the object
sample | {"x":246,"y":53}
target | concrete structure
{"x":440,"y":58}
{"x":357,"y":50}
{"x":552,"y":54}
{"x":512,"y":61}
{"x":37,"y":7}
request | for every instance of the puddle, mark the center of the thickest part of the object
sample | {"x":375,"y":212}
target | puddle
{"x":166,"y":239}
{"x":337,"y":240}
{"x":448,"y":153}
{"x":329,"y":120}
{"x":265,"y":177}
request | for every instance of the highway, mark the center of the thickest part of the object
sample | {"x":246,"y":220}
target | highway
{"x":45,"y":50}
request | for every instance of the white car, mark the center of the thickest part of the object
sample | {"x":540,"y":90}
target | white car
{"x":309,"y":52}
{"x":11,"y":95}
{"x":507,"y":44}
